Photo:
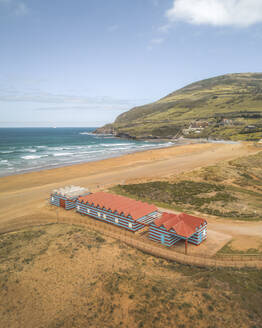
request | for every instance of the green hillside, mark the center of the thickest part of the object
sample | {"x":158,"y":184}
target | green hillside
{"x":230,"y":104}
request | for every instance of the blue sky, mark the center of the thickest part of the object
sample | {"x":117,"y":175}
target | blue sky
{"x":83,"y":62}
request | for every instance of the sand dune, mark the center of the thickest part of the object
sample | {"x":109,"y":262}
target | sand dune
{"x":26,"y":194}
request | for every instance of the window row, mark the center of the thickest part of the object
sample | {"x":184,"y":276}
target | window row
{"x":104,"y":216}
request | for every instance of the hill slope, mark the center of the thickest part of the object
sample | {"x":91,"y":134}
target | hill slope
{"x":231,"y":104}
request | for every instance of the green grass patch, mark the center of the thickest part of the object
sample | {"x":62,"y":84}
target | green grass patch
{"x":227,"y":249}
{"x":174,"y":195}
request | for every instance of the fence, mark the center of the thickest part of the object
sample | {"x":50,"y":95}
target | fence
{"x":135,"y":240}
{"x":239,"y":257}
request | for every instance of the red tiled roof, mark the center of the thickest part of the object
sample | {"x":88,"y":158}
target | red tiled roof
{"x":121,"y":204}
{"x":184,"y":225}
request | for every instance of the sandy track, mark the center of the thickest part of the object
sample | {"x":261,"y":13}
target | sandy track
{"x":26,"y":194}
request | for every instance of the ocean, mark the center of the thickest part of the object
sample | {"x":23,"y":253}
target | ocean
{"x":33,"y":149}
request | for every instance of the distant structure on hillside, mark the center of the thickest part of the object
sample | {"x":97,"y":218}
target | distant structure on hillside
{"x":225,"y":122}
{"x":198,"y":124}
{"x":196,"y":127}
{"x":259,"y":143}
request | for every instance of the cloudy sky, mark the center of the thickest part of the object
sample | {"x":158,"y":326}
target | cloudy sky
{"x":83,"y":62}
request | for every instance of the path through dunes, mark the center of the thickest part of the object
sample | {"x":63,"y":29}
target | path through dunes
{"x":27,"y":194}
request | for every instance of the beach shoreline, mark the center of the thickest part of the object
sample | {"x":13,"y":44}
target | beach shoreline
{"x":68,"y":164}
{"x":25,"y":150}
{"x":136,"y":166}
{"x":148,"y":156}
{"x":172,"y":143}
{"x":24,"y":198}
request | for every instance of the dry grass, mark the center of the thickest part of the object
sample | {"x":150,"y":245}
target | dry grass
{"x":233,"y":96}
{"x":229,"y":189}
{"x":67,"y":276}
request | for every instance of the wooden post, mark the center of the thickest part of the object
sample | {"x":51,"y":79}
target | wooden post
{"x":186,"y":246}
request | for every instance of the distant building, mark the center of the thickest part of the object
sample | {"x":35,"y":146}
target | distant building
{"x":258,"y":143}
{"x":66,"y":197}
{"x":226,"y":121}
{"x":195,"y":127}
{"x":199,"y":124}
{"x":122,"y":211}
{"x":170,"y":228}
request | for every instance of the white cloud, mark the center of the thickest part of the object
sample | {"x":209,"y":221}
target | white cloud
{"x":21,"y":9}
{"x":15,"y":7}
{"x":52,"y":102}
{"x":240,"y":13}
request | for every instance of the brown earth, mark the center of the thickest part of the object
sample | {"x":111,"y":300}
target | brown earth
{"x":68,"y":276}
{"x":251,"y":243}
{"x":24,"y":193}
{"x":25,"y":196}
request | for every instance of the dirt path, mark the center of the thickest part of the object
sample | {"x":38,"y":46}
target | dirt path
{"x":26,"y":195}
{"x":230,"y":227}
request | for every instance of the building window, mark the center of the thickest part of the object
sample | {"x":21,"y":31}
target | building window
{"x":104,"y":216}
{"x":116,"y":220}
{"x":130,"y":225}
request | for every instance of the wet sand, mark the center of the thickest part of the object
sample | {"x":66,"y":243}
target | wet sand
{"x":27,"y":194}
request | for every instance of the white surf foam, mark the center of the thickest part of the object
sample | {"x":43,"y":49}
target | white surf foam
{"x":115,"y":144}
{"x":28,"y":157}
{"x":62,"y":154}
{"x":6,"y":151}
{"x":30,"y":150}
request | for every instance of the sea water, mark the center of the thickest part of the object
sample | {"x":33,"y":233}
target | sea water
{"x":32,"y":149}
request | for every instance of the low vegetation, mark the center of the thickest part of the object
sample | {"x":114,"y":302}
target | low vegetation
{"x":233,"y":97}
{"x":230,"y":190}
{"x":78,"y":278}
{"x":229,"y":250}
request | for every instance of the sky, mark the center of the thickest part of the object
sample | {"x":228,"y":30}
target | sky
{"x":84,"y":62}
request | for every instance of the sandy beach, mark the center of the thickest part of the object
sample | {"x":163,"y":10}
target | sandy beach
{"x":27,"y":194}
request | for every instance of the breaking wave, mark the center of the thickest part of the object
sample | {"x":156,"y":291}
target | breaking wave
{"x":27,"y":157}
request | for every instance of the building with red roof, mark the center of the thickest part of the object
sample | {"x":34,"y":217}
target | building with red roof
{"x":169,"y":228}
{"x":119,"y":210}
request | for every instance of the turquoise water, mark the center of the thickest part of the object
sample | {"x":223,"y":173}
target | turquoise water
{"x":32,"y":149}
